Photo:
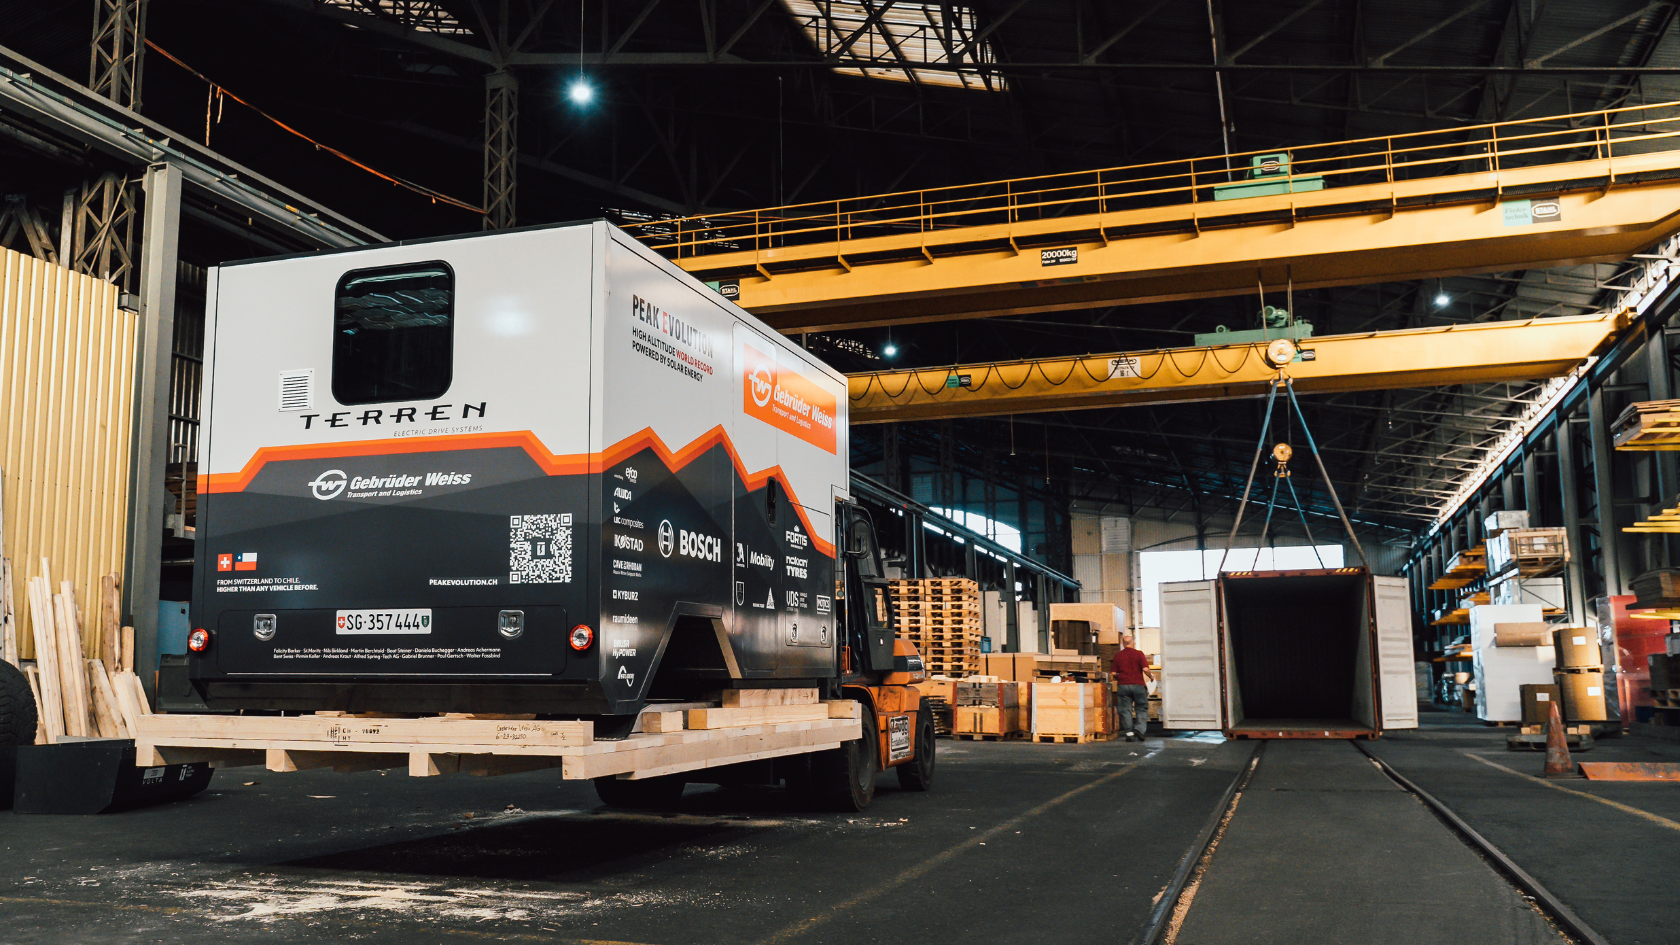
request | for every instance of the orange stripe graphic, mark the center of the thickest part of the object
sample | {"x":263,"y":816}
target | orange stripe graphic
{"x":551,"y":463}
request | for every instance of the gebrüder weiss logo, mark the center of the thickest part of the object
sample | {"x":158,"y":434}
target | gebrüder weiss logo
{"x":762,"y":383}
{"x":329,"y":484}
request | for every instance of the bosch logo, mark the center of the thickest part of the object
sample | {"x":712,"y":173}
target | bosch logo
{"x":762,"y":385}
{"x":329,"y":485}
{"x":704,"y":547}
{"x":667,"y":538}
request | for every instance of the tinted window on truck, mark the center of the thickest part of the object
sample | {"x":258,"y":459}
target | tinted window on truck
{"x":394,"y":334}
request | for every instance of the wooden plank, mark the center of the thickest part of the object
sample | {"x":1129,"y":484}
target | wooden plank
{"x":139,"y":691}
{"x":124,"y":694}
{"x":46,"y":659}
{"x":104,"y":702}
{"x":34,"y":676}
{"x":660,"y":722}
{"x":430,"y":764}
{"x":71,"y":674}
{"x":744,"y":698}
{"x":8,"y":612}
{"x":110,"y":622}
{"x":705,"y":749}
{"x":703,"y":719}
{"x":126,"y":656}
{"x":844,"y":709}
{"x":341,"y":731}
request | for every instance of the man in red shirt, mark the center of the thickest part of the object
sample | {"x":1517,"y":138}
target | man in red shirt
{"x":1131,"y":678}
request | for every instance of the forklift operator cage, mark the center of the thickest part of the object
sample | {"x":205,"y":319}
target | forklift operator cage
{"x":1288,"y":654}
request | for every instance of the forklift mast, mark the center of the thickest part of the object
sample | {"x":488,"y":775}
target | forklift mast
{"x":869,"y":620}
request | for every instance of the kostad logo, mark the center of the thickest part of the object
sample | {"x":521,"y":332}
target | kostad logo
{"x":329,"y":484}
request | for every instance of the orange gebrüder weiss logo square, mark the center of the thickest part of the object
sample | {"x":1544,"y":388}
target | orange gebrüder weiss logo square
{"x":787,"y":399}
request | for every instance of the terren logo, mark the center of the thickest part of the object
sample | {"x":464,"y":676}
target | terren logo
{"x":329,"y":484}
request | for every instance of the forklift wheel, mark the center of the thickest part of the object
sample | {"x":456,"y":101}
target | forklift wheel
{"x":844,"y":777}
{"x":661,"y":793}
{"x":917,"y":773}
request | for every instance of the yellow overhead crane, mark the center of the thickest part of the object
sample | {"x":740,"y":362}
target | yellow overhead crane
{"x":1561,"y":190}
{"x":1484,"y":352}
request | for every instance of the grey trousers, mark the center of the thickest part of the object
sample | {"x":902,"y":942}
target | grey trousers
{"x":1132,"y":699}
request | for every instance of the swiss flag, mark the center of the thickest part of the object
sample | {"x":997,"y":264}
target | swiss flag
{"x":224,"y":562}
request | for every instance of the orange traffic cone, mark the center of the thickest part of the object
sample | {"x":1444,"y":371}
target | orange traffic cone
{"x":1558,"y":764}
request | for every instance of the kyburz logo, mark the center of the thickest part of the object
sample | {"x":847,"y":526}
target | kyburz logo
{"x":667,"y":538}
{"x":762,"y":384}
{"x":329,"y":484}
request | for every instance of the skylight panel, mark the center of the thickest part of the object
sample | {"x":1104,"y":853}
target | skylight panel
{"x":894,"y":43}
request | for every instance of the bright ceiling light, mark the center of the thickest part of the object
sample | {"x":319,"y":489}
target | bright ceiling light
{"x":1441,"y":300}
{"x":580,"y":91}
{"x":890,"y":350}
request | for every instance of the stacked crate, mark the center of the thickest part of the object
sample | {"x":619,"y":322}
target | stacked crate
{"x":1580,"y":674}
{"x":942,"y":617}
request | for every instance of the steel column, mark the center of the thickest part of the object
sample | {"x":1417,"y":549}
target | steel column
{"x":1041,"y":601}
{"x":1531,"y":486}
{"x":501,"y":149}
{"x":148,"y":499}
{"x":1011,"y":610}
{"x":1609,"y":532}
{"x":116,"y":65}
{"x":1569,"y":483}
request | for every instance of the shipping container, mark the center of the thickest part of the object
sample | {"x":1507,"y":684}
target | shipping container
{"x":1289,"y":654}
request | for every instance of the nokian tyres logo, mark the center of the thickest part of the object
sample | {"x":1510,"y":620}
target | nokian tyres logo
{"x":329,"y":485}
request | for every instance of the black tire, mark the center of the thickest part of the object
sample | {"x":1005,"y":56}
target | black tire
{"x":18,"y":719}
{"x":661,"y":793}
{"x":917,"y":773}
{"x":845,"y":777}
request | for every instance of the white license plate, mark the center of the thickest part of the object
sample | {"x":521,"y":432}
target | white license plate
{"x":417,"y":620}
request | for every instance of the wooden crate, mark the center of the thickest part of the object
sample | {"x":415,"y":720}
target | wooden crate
{"x":985,"y":720}
{"x":1531,"y":552}
{"x":1069,"y":709}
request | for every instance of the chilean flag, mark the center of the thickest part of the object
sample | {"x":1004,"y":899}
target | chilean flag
{"x":245,"y":561}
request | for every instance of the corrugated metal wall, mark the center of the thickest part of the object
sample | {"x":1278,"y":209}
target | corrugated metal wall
{"x":66,"y":420}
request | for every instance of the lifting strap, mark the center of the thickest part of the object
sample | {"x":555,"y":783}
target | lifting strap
{"x":1259,"y":449}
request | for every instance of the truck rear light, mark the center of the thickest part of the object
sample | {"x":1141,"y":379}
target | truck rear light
{"x":582,"y":636}
{"x":199,"y":640}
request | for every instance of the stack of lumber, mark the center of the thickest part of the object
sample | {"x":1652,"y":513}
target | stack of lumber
{"x":1530,"y":552}
{"x":1650,"y":425}
{"x":942,"y":617}
{"x":1066,"y":666}
{"x":987,"y":709}
{"x":1657,"y":590}
{"x":1070,"y":712}
{"x":78,"y":696}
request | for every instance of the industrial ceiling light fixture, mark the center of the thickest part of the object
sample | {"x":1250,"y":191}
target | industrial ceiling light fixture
{"x":579,"y":90}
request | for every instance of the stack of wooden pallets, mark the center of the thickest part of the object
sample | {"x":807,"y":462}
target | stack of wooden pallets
{"x":942,"y":617}
{"x":75,"y":696}
{"x":1648,"y":425}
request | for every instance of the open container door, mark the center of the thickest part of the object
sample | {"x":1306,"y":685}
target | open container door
{"x":1395,"y":666}
{"x":1190,"y":656}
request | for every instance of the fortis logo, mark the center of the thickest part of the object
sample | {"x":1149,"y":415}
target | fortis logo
{"x":762,"y":385}
{"x":329,"y":484}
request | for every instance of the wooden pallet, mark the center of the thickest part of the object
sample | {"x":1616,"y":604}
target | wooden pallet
{"x":1051,"y":739}
{"x":977,"y":737}
{"x":1648,"y":425}
{"x":445,"y":745}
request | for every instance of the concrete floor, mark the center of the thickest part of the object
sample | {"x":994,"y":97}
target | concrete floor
{"x":1018,"y":842}
{"x":1017,"y":839}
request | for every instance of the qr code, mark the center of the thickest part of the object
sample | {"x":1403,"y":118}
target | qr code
{"x":540,"y":549}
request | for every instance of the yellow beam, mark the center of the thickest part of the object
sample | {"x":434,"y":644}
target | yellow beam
{"x":1424,"y":357}
{"x":1389,"y":209}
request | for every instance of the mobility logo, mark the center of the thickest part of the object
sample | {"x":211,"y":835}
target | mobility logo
{"x":244,"y":561}
{"x":329,"y":485}
{"x":787,"y":400}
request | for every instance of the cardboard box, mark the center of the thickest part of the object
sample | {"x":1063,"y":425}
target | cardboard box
{"x":1537,"y":700}
{"x":1018,"y":667}
{"x":1500,"y":521}
{"x":1577,"y":648}
{"x":1522,"y":634}
{"x":1583,"y":696}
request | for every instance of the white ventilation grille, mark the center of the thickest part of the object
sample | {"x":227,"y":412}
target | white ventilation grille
{"x":297,"y":389}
